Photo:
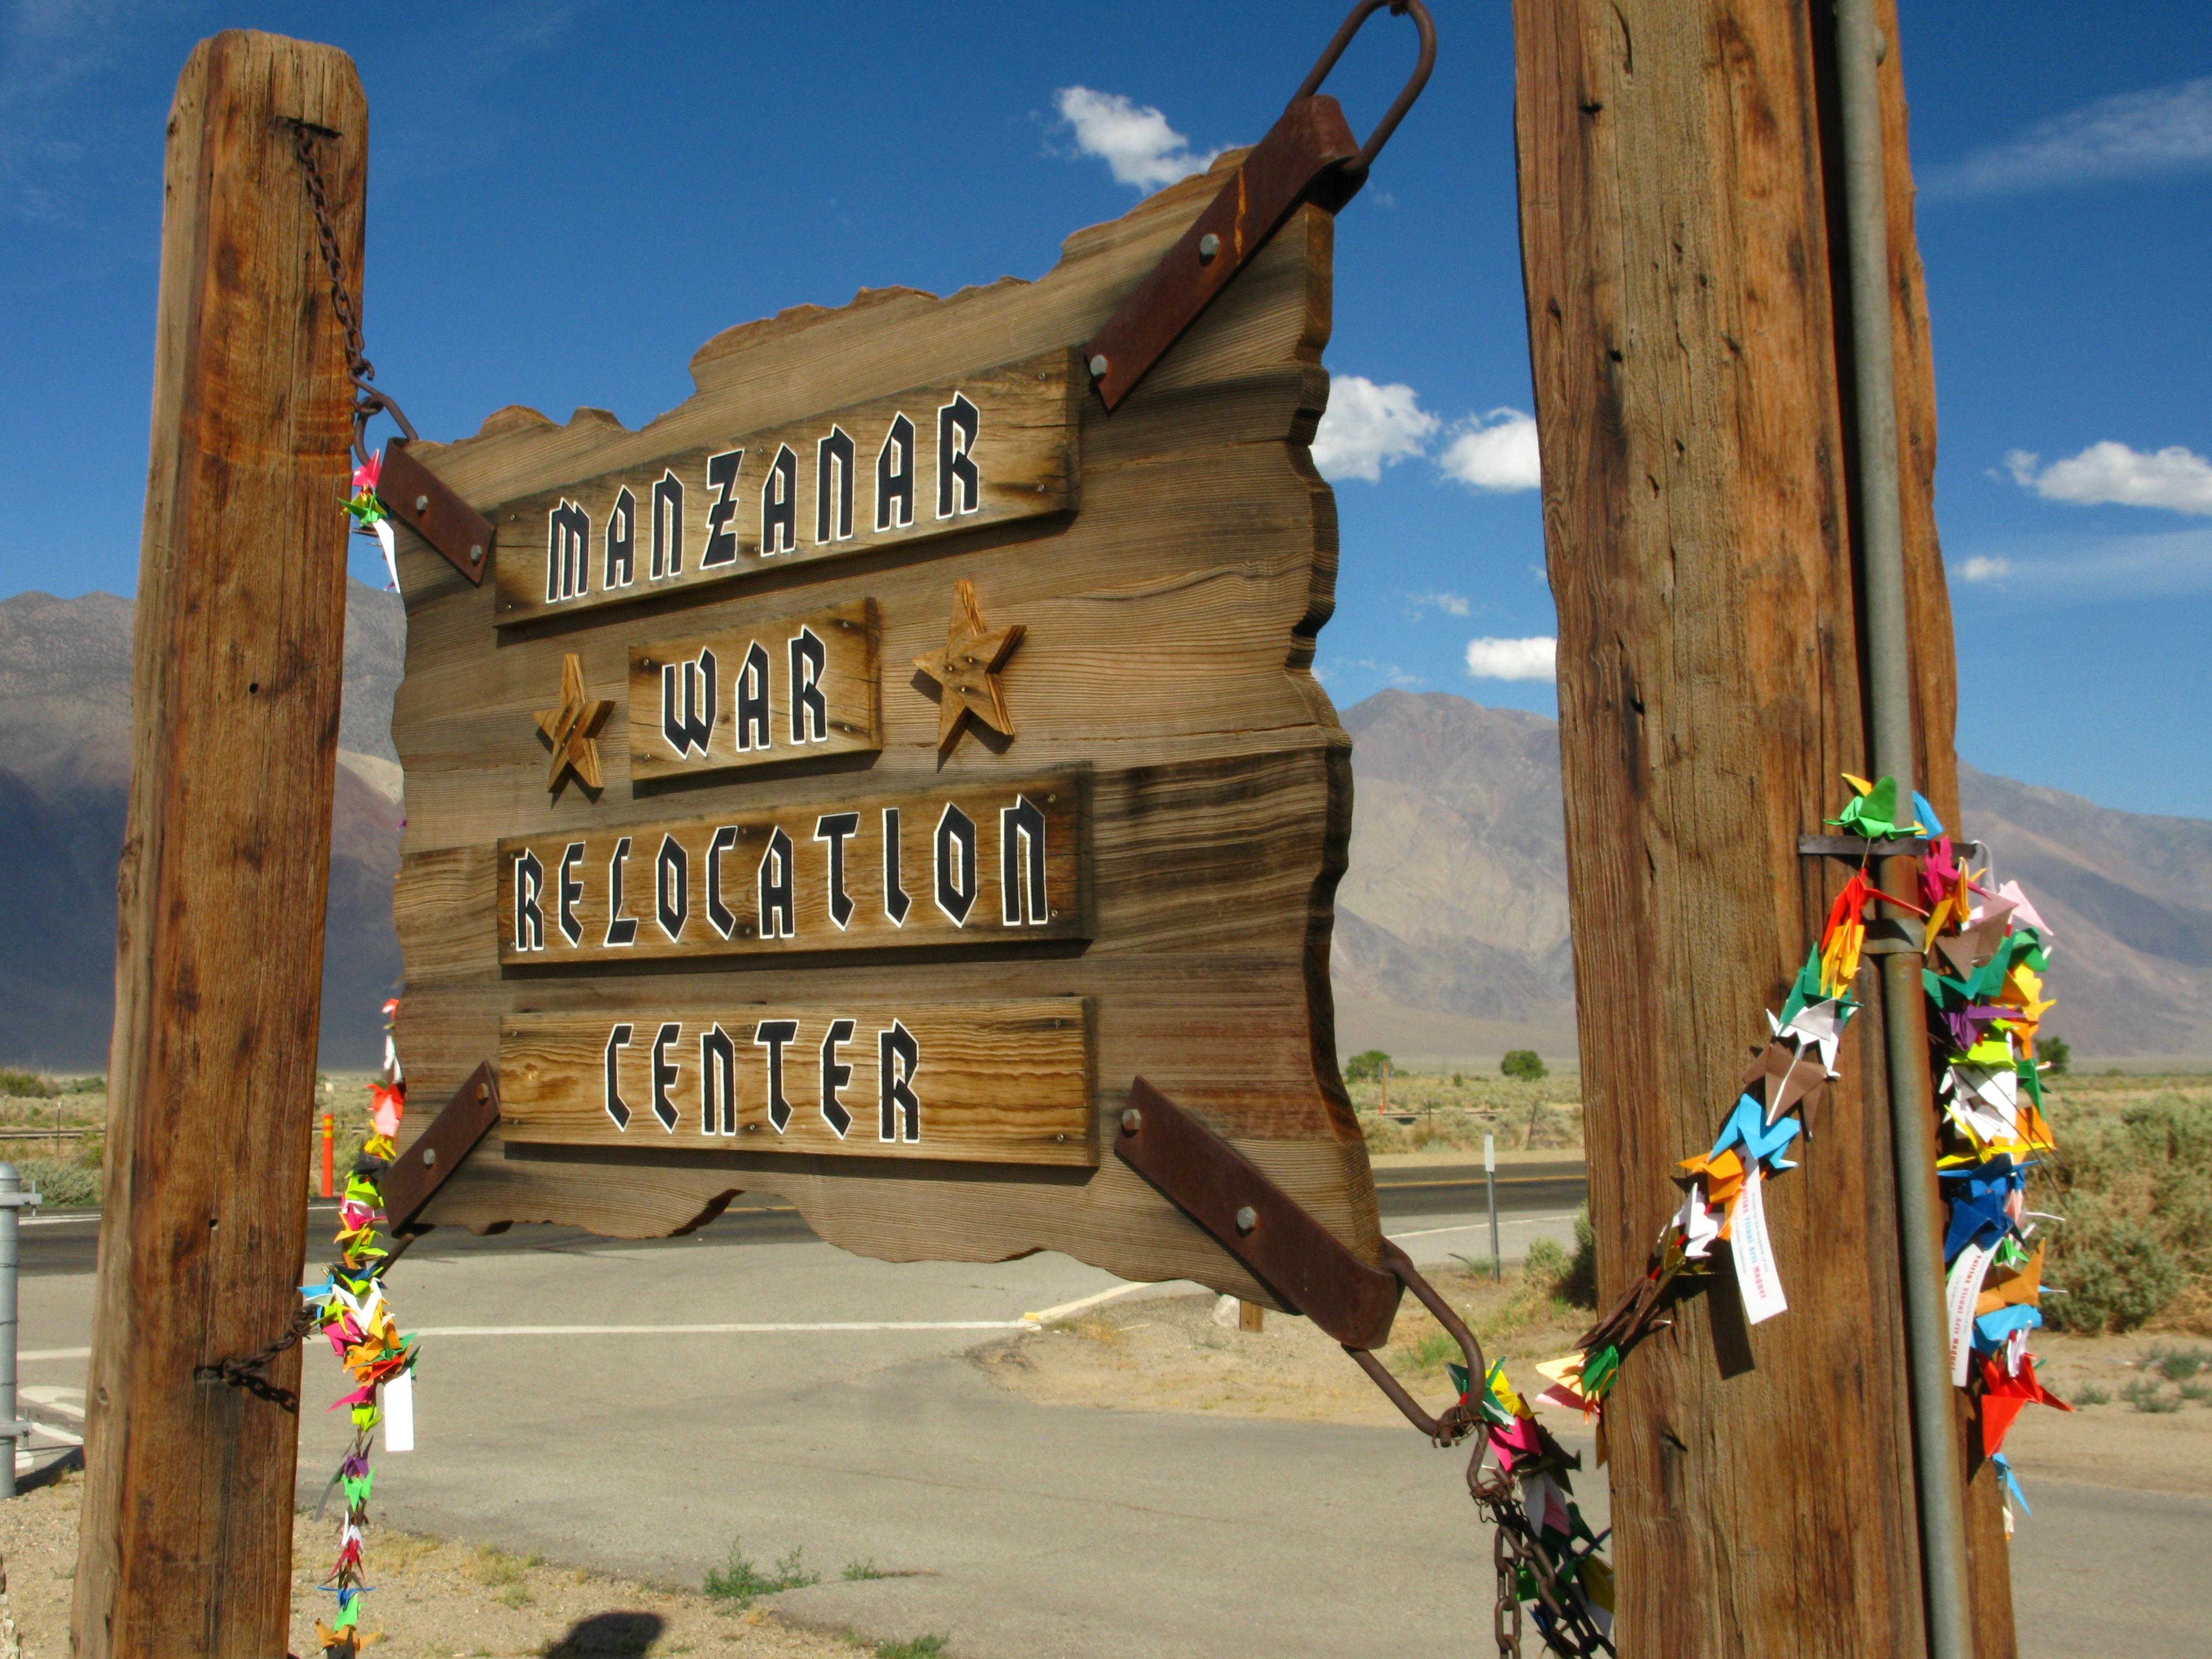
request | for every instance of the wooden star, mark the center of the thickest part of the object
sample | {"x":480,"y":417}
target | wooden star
{"x":968,"y":669}
{"x":569,"y":728}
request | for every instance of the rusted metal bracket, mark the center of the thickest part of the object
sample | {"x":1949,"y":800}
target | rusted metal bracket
{"x":422,"y":501}
{"x":416,"y":1174}
{"x":1256,"y":1221}
{"x":1297,"y":1259}
{"x":1307,"y":155}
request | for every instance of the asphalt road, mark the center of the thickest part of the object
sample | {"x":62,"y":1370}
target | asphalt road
{"x":67,"y":1241}
{"x":635,"y":1407}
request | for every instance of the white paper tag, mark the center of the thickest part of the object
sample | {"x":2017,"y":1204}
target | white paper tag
{"x":1755,"y":1274}
{"x":1960,"y":1292}
{"x":400,"y":1413}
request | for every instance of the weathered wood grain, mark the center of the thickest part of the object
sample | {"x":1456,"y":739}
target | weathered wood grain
{"x":996,"y":863}
{"x":186,"y":1543}
{"x":1678,"y":186}
{"x":989,"y":446}
{"x":723,"y":702}
{"x":970,"y":1082}
{"x":1169,"y":635}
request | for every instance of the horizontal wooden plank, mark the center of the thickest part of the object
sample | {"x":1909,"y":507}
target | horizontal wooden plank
{"x":982,"y":448}
{"x":725,"y":700}
{"x":983,"y":1082}
{"x":974,"y":863}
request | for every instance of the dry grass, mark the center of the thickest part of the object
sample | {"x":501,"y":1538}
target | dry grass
{"x":1452,"y":1111}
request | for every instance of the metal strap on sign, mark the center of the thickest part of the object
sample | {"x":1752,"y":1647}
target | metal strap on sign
{"x":419,"y":1170}
{"x":1303,"y":1264}
{"x":410,"y":492}
{"x":1307,"y":155}
{"x":1315,"y":1274}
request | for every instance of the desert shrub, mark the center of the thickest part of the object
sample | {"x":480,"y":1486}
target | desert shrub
{"x":62,"y":1185}
{"x":27,"y":1086}
{"x":87,"y":1085}
{"x":2055,"y":1053}
{"x":1549,"y":1264}
{"x":2146,"y":1395}
{"x":1365,"y":1066}
{"x":2135,"y":1187}
{"x":1524,"y":1063}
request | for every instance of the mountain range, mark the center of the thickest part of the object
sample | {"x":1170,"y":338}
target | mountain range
{"x":64,"y":789}
{"x":1452,"y":943}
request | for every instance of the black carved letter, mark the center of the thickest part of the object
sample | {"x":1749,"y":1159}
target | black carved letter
{"x":895,"y":476}
{"x":810,"y":709}
{"x":956,"y":865}
{"x":529,"y":909}
{"x":958,"y":484}
{"x":777,"y":918}
{"x":835,"y":1076}
{"x":898,"y":1057}
{"x":780,"y":504}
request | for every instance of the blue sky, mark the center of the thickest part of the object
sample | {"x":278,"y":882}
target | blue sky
{"x":567,"y":198}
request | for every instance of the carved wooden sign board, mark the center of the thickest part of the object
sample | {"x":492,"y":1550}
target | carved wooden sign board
{"x":847,"y":784}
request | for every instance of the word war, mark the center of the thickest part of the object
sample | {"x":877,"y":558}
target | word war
{"x":998,"y":444}
{"x":798,"y":687}
{"x":1004,"y":864}
{"x":997,"y":1082}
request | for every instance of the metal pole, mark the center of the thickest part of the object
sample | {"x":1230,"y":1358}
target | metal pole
{"x":11,"y":1199}
{"x":1490,"y":1181}
{"x":1859,"y":49}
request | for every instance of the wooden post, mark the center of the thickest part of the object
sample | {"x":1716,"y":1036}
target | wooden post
{"x":1681,"y":203}
{"x":185,"y":1542}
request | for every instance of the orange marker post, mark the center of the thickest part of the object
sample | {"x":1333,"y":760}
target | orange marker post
{"x":330,"y":1155}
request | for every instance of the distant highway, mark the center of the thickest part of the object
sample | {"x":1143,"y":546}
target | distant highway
{"x":67,"y":1241}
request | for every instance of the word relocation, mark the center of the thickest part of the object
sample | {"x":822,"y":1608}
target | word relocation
{"x":1009,"y":859}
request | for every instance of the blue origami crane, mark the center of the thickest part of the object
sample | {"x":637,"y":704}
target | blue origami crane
{"x":1762,"y":1141}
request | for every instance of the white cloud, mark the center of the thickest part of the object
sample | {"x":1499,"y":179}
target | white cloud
{"x":2173,"y":477}
{"x":2062,"y":570}
{"x":1368,"y":427}
{"x":1496,"y":452}
{"x":2165,"y":130}
{"x":1513,"y":659}
{"x":1452,"y":604}
{"x":1134,"y":140}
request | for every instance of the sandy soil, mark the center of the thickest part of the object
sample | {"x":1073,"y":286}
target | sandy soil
{"x":436,"y":1599}
{"x":1171,"y":1355}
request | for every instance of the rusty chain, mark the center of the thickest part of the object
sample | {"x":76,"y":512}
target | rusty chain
{"x":368,"y":399}
{"x":250,"y":1372}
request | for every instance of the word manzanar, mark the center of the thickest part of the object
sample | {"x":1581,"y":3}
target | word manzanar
{"x":987,"y":863}
{"x":996,"y":1082}
{"x":998,"y":445}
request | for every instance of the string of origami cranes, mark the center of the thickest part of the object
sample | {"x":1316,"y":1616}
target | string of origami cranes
{"x":1985,"y":951}
{"x":351,"y":1310}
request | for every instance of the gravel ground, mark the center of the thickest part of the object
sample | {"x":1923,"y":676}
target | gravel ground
{"x":436,"y":1599}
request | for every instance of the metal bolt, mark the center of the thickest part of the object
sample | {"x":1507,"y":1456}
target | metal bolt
{"x":429,"y":1157}
{"x":476,"y":555}
{"x":1098,"y":367}
{"x":422,"y":503}
{"x":1247,"y":1219}
{"x":1132,"y":1120}
{"x":1208,"y":246}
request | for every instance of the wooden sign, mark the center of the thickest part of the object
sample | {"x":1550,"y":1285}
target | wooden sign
{"x":972,"y":865}
{"x":797,"y":688}
{"x":899,"y":867}
{"x":926,"y":461}
{"x":986,"y":1082}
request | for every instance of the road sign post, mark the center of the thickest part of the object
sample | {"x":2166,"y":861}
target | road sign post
{"x":1490,"y":1187}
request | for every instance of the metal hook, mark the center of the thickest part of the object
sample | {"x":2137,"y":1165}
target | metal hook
{"x":1458,"y":1418}
{"x":1396,"y":112}
{"x":368,"y":401}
